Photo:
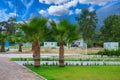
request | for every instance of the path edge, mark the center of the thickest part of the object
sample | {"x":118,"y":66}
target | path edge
{"x":34,"y":73}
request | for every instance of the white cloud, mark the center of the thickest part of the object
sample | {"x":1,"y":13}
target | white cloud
{"x":70,"y":12}
{"x":58,"y":10}
{"x":53,"y":1}
{"x":10,"y":4}
{"x":12,"y":14}
{"x":91,"y":8}
{"x":78,"y":11}
{"x":96,"y":2}
{"x":93,"y":2}
{"x":43,"y":12}
{"x":5,"y":16}
{"x":62,"y":7}
{"x":71,"y":3}
{"x":27,"y":5}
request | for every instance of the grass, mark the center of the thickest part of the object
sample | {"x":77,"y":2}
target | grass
{"x":22,"y":59}
{"x":69,"y":59}
{"x":78,"y":72}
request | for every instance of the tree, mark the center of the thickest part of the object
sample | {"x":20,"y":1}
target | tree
{"x":36,"y":29}
{"x":7,"y":28}
{"x":18,"y":38}
{"x":64,"y":31}
{"x":3,"y":37}
{"x":87,"y":24}
{"x":110,"y":30}
{"x":9,"y":25}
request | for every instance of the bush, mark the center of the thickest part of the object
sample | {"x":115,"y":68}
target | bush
{"x":109,"y":52}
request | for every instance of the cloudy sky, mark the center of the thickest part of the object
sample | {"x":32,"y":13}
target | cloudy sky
{"x":53,"y":9}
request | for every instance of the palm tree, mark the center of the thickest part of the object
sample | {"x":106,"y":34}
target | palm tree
{"x":8,"y":28}
{"x":36,"y":30}
{"x":63,"y":32}
{"x":18,"y":38}
{"x":3,"y":37}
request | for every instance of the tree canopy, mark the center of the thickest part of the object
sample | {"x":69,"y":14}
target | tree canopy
{"x":36,"y":28}
{"x":87,"y":24}
{"x":64,"y":31}
{"x":110,"y":31}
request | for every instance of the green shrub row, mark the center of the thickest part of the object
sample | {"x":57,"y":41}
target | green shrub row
{"x":109,"y":52}
{"x":68,"y":59}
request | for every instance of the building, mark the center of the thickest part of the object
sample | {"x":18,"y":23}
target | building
{"x":80,"y":43}
{"x":50,"y":44}
{"x":111,"y":45}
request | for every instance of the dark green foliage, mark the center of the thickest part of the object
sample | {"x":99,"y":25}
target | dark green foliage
{"x":64,"y":31}
{"x":3,"y":36}
{"x":87,"y":24}
{"x":36,"y":29}
{"x":110,"y":31}
{"x":109,"y":52}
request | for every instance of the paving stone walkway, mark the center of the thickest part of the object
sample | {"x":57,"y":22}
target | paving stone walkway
{"x":10,"y":70}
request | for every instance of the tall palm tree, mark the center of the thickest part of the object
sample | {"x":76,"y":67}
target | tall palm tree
{"x":36,"y":30}
{"x":63,"y":32}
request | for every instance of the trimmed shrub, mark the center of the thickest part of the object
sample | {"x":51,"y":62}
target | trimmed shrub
{"x":109,"y":52}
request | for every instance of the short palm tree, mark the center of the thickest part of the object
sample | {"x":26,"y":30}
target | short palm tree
{"x":63,"y":32}
{"x":3,"y":37}
{"x":36,"y":30}
{"x":18,"y":38}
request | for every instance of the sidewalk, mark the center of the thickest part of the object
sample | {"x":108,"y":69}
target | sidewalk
{"x":10,"y":70}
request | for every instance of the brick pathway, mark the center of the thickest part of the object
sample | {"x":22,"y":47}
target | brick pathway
{"x":10,"y":70}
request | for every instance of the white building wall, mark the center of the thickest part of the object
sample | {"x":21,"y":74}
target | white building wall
{"x":111,"y":45}
{"x":50,"y":44}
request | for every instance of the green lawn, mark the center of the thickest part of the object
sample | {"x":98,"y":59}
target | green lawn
{"x":78,"y":72}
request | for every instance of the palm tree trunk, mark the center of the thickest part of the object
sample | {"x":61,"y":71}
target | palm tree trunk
{"x":61,"y":54}
{"x":32,"y":46}
{"x":3,"y":46}
{"x":36,"y":53}
{"x":20,"y":47}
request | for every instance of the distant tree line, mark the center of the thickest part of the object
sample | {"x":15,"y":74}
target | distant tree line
{"x":109,"y":31}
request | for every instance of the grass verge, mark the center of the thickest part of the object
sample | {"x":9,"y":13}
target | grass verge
{"x":78,"y":72}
